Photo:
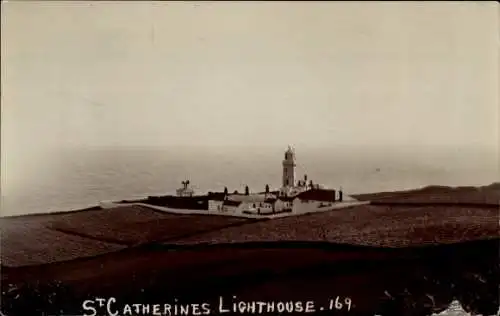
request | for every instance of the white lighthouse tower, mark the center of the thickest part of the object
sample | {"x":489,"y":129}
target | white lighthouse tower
{"x":289,"y":168}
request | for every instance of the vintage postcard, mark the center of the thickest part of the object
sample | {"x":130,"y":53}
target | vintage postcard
{"x":249,"y":158}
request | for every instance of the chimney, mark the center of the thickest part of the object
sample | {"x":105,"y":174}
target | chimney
{"x":340,"y":195}
{"x":305,"y":178}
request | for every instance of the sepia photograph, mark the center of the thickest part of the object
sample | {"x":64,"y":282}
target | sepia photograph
{"x":172,"y":158}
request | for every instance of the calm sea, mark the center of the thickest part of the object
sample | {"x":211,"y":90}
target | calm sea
{"x":71,"y":179}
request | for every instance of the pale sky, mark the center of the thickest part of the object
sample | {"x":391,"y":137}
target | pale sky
{"x":318,"y":73}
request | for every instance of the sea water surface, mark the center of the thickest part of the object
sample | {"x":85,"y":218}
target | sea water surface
{"x":72,"y":178}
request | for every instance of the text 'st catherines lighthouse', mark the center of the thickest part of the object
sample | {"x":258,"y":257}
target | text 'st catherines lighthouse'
{"x":289,"y":168}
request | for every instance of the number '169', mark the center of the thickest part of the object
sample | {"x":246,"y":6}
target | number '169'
{"x":339,"y":303}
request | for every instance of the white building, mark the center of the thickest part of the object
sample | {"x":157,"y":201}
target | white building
{"x":231,"y":206}
{"x":215,"y":203}
{"x":284,"y":203}
{"x":296,"y":196}
{"x":314,"y":199}
{"x":254,"y":203}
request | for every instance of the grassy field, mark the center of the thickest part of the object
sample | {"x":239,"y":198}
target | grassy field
{"x":134,"y":225}
{"x":482,"y":196}
{"x":42,"y":239}
{"x":383,"y":226}
{"x":31,"y":243}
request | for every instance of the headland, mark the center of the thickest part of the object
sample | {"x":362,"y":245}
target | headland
{"x":403,"y":253}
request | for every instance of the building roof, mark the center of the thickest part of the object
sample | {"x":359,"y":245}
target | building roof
{"x":217,"y":196}
{"x":270,"y":200}
{"x":252,"y":198}
{"x":286,"y":198}
{"x":321,"y":195}
{"x":231,"y":203}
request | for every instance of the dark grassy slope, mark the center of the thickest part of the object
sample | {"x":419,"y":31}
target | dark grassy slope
{"x":27,"y":241}
{"x":372,"y":225}
{"x":32,"y":240}
{"x":164,"y":227}
{"x":488,"y":195}
{"x":406,"y":281}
